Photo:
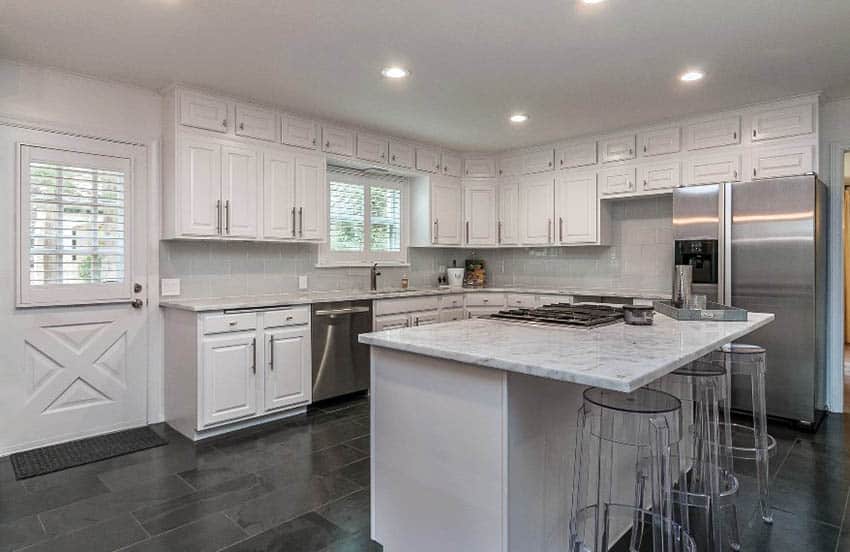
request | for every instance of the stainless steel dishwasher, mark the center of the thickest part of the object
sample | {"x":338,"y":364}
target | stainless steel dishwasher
{"x":340,"y":362}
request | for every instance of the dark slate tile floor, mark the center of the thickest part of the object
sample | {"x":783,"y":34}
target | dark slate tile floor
{"x":302,"y":484}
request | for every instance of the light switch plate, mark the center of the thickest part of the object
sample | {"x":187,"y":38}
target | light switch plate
{"x":169,"y":287}
{"x":302,"y":282}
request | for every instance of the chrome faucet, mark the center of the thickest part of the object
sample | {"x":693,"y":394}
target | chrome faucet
{"x":373,"y":277}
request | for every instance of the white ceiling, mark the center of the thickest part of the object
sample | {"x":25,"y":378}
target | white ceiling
{"x":573,"y":68}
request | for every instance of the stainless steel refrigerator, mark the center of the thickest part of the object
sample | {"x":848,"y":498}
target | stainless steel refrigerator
{"x":761,"y":246}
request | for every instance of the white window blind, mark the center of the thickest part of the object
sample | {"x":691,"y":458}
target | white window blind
{"x":385,"y":219}
{"x":347,"y":216}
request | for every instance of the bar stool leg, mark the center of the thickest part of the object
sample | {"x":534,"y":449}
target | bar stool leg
{"x":760,"y":428}
{"x":662,"y":497}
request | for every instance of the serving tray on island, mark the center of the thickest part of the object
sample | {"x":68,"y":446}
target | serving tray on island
{"x":712,"y":311}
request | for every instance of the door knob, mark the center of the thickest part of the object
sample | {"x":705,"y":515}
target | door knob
{"x":136,"y":303}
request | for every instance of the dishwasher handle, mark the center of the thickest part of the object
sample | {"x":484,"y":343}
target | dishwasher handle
{"x":338,"y":312}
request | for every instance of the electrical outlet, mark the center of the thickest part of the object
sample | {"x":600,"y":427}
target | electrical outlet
{"x":302,"y":282}
{"x":169,"y":287}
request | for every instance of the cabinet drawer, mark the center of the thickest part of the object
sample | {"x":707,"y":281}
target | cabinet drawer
{"x":219,"y":323}
{"x":286,"y":317}
{"x":521,"y":300}
{"x":619,"y":148}
{"x":412,"y":304}
{"x":659,"y":142}
{"x":553,"y":299}
{"x":451,"y":315}
{"x":782,"y":161}
{"x":338,"y":140}
{"x":424,"y":318}
{"x":485,"y":299}
{"x":780,"y":123}
{"x":255,"y":122}
{"x":713,"y":134}
{"x":538,"y":161}
{"x":295,"y":131}
{"x":660,"y":176}
{"x":617,"y":181}
{"x":577,"y":155}
{"x":394,"y":322}
{"x":454,"y":301}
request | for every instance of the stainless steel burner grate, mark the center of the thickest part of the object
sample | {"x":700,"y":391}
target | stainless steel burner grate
{"x":565,"y":314}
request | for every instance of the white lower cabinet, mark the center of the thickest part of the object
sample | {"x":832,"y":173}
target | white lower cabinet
{"x":391,"y":322}
{"x":451,"y":315}
{"x":226,"y":370}
{"x":424,"y":318}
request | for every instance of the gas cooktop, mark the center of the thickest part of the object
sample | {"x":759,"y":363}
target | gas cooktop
{"x":564,"y":314}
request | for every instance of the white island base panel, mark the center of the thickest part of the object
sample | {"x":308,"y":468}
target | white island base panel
{"x":467,"y":458}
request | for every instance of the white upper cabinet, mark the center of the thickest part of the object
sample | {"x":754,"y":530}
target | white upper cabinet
{"x":577,"y":155}
{"x":295,"y":131}
{"x":479,"y":167}
{"x":255,"y":122}
{"x":239,"y":190}
{"x":538,"y":161}
{"x":372,"y":148}
{"x":780,"y":123}
{"x":401,"y":154}
{"x":660,"y":142}
{"x":279,"y":195}
{"x":619,"y":180}
{"x":713,"y":134}
{"x":310,"y":197}
{"x":446,"y":214}
{"x":507,"y":226}
{"x":428,"y":160}
{"x":619,"y":148}
{"x":536,"y":209}
{"x":452,"y":164}
{"x":479,"y":213}
{"x":782,"y":161}
{"x":337,"y":140}
{"x":511,"y":165}
{"x":288,"y":369}
{"x":711,"y":169}
{"x":199,"y":189}
{"x":576,"y":208}
{"x":661,"y":176}
{"x":202,"y":111}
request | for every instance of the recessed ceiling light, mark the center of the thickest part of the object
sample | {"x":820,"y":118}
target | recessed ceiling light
{"x":395,"y":72}
{"x":519,"y":118}
{"x":592,"y":1}
{"x":691,"y":76}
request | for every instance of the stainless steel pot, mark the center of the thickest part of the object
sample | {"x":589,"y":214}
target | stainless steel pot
{"x":638,"y":315}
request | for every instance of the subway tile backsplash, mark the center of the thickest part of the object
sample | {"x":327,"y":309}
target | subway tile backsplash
{"x":640,"y":258}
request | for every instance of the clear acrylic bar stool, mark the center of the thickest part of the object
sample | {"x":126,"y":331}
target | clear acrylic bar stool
{"x":624,"y":446}
{"x":639,"y":521}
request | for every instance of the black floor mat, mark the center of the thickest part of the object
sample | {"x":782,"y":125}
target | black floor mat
{"x":84,"y":451}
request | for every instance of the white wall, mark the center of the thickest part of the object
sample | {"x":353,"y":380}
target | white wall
{"x":61,"y":101}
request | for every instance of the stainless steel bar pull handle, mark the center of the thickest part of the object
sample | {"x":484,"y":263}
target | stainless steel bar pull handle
{"x":549,"y":232}
{"x":339,"y":312}
{"x":254,"y":355}
{"x":293,"y":221}
{"x":301,"y":221}
{"x":271,"y":353}
{"x":561,"y":229}
{"x":227,"y":216}
{"x":218,"y":216}
{"x":436,"y":230}
{"x":467,"y":231}
{"x":499,"y":232}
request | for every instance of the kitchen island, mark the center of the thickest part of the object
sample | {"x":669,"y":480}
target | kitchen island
{"x":474,"y":423}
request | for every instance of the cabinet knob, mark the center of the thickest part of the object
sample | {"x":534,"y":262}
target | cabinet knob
{"x":393,"y":157}
{"x":754,"y":171}
{"x":644,"y":148}
{"x":754,"y":133}
{"x":314,"y":141}
{"x":328,"y":144}
{"x":735,"y":135}
{"x":550,"y":163}
{"x":241,"y":126}
{"x":224,"y":123}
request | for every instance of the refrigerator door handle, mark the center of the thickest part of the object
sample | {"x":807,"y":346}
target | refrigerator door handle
{"x":725,"y":287}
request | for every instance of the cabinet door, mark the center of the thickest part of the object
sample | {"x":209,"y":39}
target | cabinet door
{"x":479,"y":213}
{"x":660,"y":176}
{"x":228,"y":373}
{"x":713,"y":134}
{"x":617,"y":181}
{"x":780,"y":123}
{"x":310,"y":197}
{"x":391,"y":322}
{"x":782,"y":161}
{"x":482,"y":167}
{"x":576,"y":208}
{"x":279,"y":195}
{"x":452,"y":164}
{"x":577,"y":155}
{"x":296,"y":131}
{"x":451,"y":315}
{"x":255,"y":122}
{"x":338,"y":140}
{"x":424,"y":318}
{"x":445,"y":211}
{"x":712,"y":169}
{"x":202,"y":111}
{"x":536,"y":209}
{"x":510,"y":166}
{"x":401,"y":154}
{"x":427,"y":160}
{"x":199,"y":184}
{"x":619,"y":148}
{"x":288,"y":370}
{"x":538,"y":161}
{"x":239,"y":190}
{"x":372,"y":148}
{"x":507,"y":227}
{"x":659,"y":142}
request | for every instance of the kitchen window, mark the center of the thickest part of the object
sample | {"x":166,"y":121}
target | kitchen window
{"x":73,"y":227}
{"x":366,"y":219}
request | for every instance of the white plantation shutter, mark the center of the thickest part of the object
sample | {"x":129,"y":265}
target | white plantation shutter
{"x":385,"y":219}
{"x":347,"y":216}
{"x":74,"y":211}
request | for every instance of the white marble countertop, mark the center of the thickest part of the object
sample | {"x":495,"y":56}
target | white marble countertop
{"x":618,"y":356}
{"x":308,"y":297}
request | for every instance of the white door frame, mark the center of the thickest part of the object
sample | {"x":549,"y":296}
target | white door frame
{"x":835,"y":286}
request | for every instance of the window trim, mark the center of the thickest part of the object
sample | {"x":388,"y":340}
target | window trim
{"x":28,"y":295}
{"x":337,"y":259}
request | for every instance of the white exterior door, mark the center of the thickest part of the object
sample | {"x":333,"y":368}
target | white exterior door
{"x":279,"y":195}
{"x":311,"y":207}
{"x":200,"y":177}
{"x":228,"y":371}
{"x":239,"y":190}
{"x":536,"y":209}
{"x":78,"y":365}
{"x":288,"y":368}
